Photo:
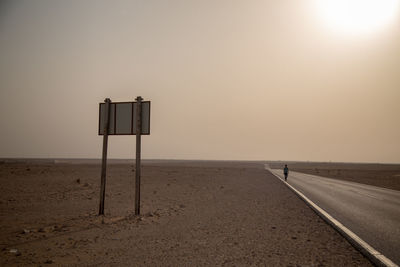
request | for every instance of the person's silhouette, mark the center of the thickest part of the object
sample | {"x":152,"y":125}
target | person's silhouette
{"x":286,"y":172}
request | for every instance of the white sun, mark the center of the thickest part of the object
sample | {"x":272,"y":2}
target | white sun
{"x":357,"y":16}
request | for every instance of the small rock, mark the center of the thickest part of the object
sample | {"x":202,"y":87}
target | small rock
{"x":26,"y":231}
{"x":15,"y":251}
{"x":48,"y":262}
{"x":293,"y":237}
{"x":41,"y":230}
{"x":273,"y":227}
{"x":28,"y":169}
{"x":78,"y":181}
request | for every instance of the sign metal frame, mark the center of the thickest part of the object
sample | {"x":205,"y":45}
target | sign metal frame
{"x":146,"y":114}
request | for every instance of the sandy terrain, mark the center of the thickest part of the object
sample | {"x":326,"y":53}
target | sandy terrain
{"x":220,"y":213}
{"x":382,"y":175}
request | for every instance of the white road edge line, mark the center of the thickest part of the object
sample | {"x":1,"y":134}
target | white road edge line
{"x":372,"y":254}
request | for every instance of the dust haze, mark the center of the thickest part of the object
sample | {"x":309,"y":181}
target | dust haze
{"x":231,"y":80}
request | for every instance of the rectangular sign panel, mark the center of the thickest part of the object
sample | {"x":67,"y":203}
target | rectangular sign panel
{"x":145,"y":117}
{"x":102,"y":119}
{"x":123,"y":118}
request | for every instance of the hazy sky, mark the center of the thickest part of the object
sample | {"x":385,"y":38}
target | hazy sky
{"x":248,"y":80}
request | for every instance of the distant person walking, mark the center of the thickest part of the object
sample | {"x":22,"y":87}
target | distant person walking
{"x":286,"y":172}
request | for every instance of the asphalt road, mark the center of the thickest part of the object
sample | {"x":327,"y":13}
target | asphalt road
{"x":373,"y":213}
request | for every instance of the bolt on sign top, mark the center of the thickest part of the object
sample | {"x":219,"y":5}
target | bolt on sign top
{"x":123,"y":118}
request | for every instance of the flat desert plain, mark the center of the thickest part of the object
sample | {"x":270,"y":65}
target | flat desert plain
{"x":193,"y":214}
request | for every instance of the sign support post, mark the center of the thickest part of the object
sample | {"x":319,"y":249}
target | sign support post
{"x":104,"y":158}
{"x":138,"y":148}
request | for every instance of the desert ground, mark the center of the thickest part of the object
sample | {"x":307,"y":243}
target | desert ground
{"x":382,"y":175}
{"x":193,"y":214}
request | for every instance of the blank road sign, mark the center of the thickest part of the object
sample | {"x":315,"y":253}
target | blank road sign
{"x":145,"y":117}
{"x":123,"y":118}
{"x":102,"y":119}
{"x":123,"y":121}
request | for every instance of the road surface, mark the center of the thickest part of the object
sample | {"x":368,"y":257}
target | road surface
{"x":372,"y":213}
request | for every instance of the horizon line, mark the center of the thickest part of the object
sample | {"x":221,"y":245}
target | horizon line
{"x":66,"y":160}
